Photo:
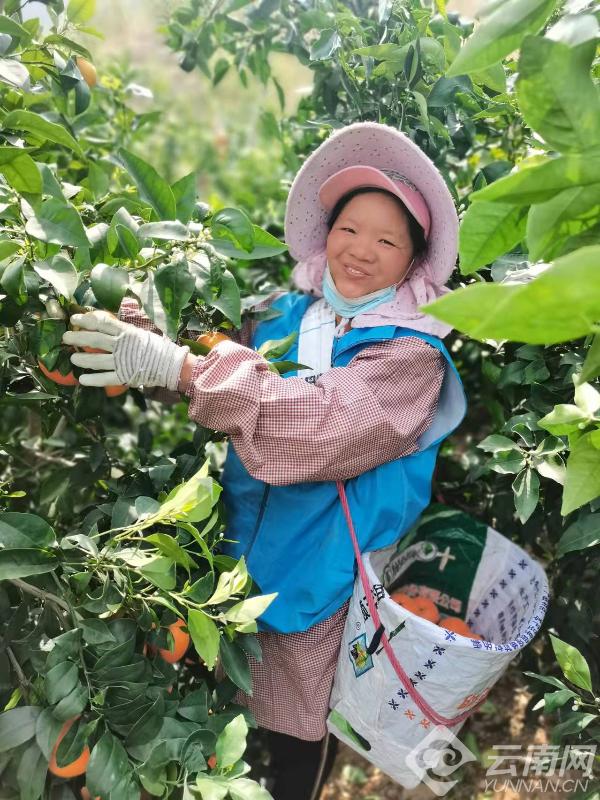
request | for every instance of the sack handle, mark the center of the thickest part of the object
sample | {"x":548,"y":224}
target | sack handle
{"x":405,"y":680}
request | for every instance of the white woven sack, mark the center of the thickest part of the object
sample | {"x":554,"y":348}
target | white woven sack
{"x":452,"y":673}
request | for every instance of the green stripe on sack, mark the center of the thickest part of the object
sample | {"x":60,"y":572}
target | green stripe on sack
{"x":442,"y":553}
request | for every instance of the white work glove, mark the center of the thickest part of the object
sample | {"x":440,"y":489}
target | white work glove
{"x":133,"y":356}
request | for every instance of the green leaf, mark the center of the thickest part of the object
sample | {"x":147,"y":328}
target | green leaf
{"x":212,"y":788}
{"x":73,"y":704}
{"x":507,"y":462}
{"x":14,"y":73}
{"x":591,"y":365}
{"x":570,"y":213}
{"x":498,"y":443}
{"x":96,"y":631}
{"x":149,"y":724}
{"x":265,"y":246}
{"x":175,"y":286}
{"x":526,"y":489}
{"x":19,"y":563}
{"x":235,"y":664}
{"x":168,"y":546}
{"x":548,"y":71}
{"x":47,"y":729}
{"x":230,"y":583}
{"x":194,"y":706}
{"x":549,"y":679}
{"x":60,"y":273}
{"x":205,"y":636}
{"x":574,"y":724}
{"x":161,"y":572}
{"x":108,"y":764}
{"x":13,"y":28}
{"x":169,"y":231}
{"x":558,"y":305}
{"x":12,"y":281}
{"x":31,"y":773}
{"x":249,"y":609}
{"x":20,"y":170}
{"x":150,"y":301}
{"x":326,"y":45}
{"x":275,"y":348}
{"x":489,"y":230}
{"x":231,"y":743}
{"x":57,"y":223}
{"x":24,"y":530}
{"x":109,"y":285}
{"x":119,"y":243}
{"x":501,"y":32}
{"x":494,"y":77}
{"x":554,"y":700}
{"x":184,"y":192}
{"x":234,"y":225}
{"x":8,"y":248}
{"x":122,"y":243}
{"x":564,"y":419}
{"x":587,"y":399}
{"x":246,"y":789}
{"x":31,"y":122}
{"x":80,"y":11}
{"x":536,"y":182}
{"x":583,"y":533}
{"x":228,"y":301}
{"x":582,"y":483}
{"x":201,"y":590}
{"x":17,"y":726}
{"x":191,"y":501}
{"x":60,"y":681}
{"x":151,"y":187}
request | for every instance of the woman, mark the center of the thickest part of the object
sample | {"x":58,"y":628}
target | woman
{"x":373,"y":228}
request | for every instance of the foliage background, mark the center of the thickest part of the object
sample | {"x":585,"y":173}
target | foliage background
{"x":247,"y":159}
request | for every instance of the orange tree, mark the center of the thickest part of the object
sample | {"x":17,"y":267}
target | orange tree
{"x":115,"y":604}
{"x":510,"y":114}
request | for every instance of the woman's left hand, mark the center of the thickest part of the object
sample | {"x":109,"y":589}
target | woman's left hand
{"x":133,"y":356}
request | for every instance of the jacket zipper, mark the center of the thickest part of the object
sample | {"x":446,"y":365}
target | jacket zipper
{"x":261,"y":513}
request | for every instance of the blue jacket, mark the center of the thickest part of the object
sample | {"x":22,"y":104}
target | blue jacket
{"x":294,"y":537}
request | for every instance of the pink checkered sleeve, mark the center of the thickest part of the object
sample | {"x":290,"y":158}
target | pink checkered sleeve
{"x":129,"y":311}
{"x":350,"y":420}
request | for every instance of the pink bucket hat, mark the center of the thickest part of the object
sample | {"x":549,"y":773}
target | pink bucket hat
{"x":352,"y":177}
{"x":413,"y":177}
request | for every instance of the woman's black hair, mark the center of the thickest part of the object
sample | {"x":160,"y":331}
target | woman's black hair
{"x":417,"y":236}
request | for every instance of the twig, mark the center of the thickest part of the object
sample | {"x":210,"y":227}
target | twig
{"x":17,"y":668}
{"x":41,"y":594}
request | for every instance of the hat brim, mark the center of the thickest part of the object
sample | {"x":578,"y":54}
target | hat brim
{"x":370,"y":144}
{"x":352,"y":177}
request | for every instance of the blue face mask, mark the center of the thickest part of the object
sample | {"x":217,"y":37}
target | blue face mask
{"x":349,"y":307}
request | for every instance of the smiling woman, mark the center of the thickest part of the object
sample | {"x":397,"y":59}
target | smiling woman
{"x":369,"y":246}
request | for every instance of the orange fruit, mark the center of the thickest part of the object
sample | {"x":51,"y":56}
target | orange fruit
{"x":211,"y":338}
{"x":110,"y":391}
{"x":181,"y":642}
{"x":458,"y":626}
{"x":58,"y":377}
{"x":212,"y":761}
{"x":115,"y":391}
{"x":421,"y":606}
{"x":400,"y":598}
{"x":76,"y":767}
{"x":88,"y":71}
{"x":427,"y":609}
